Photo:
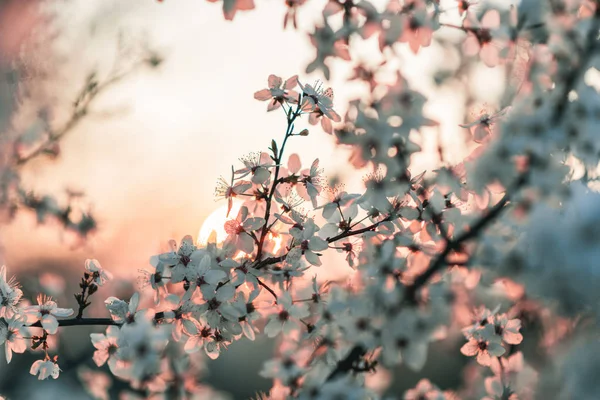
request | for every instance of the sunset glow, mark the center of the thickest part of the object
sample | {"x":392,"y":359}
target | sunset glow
{"x":214,"y":222}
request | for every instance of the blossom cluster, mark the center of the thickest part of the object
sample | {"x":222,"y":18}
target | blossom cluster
{"x":427,"y":253}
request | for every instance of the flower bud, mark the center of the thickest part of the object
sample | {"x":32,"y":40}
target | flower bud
{"x":303,"y":132}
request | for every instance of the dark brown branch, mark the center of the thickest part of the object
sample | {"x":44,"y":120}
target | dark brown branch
{"x":261,"y":283}
{"x":81,"y":322}
{"x":292,"y":115}
{"x":358,"y":231}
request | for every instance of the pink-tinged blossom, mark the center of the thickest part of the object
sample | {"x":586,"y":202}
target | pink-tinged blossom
{"x":404,"y":343}
{"x":230,"y":190}
{"x":278,"y":92}
{"x":219,"y":341}
{"x":106,"y":347}
{"x":481,"y":317}
{"x":240,"y":230}
{"x":309,"y":244}
{"x":45,"y":369}
{"x":319,"y":103}
{"x":10,"y":294}
{"x":244,"y":311}
{"x":290,"y":176}
{"x":208,"y":275}
{"x":481,"y":128}
{"x":311,"y":183}
{"x":257,"y":165}
{"x":157,"y":280}
{"x":181,"y":316}
{"x":287,"y":317}
{"x":46,"y":311}
{"x":178,"y":261}
{"x":11,"y":335}
{"x":213,"y":304}
{"x":127,"y":313}
{"x":417,"y":32}
{"x":198,"y":340}
{"x":338,"y":198}
{"x":99,"y":275}
{"x":484,"y":344}
{"x":285,"y":368}
{"x":483,"y":38}
{"x":141,"y":346}
{"x":508,"y":329}
{"x":243,"y":272}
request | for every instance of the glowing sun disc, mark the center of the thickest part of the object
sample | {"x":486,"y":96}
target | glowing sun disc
{"x":215,"y":221}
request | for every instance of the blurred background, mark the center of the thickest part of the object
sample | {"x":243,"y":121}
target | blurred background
{"x":151,"y":147}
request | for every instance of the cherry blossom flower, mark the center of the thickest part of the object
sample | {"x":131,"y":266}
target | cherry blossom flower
{"x":256,"y":164}
{"x":245,"y":312}
{"x":11,"y":335}
{"x":99,"y":275}
{"x":311,"y":183}
{"x":278,"y":92}
{"x":404,"y":342}
{"x":289,"y":204}
{"x":481,"y":317}
{"x":484,"y":344}
{"x":179,"y":260}
{"x":125,"y":313}
{"x":217,"y":342}
{"x":508,"y":329}
{"x":214,"y":303}
{"x":141,"y":346}
{"x":181,"y":315}
{"x":309,"y":244}
{"x":286,"y":318}
{"x":106,"y":347}
{"x":285,"y":368}
{"x":46,"y":311}
{"x":157,"y":279}
{"x":481,"y":128}
{"x":240,"y":230}
{"x":245,"y":273}
{"x":45,"y":369}
{"x":319,"y":103}
{"x":197,"y":340}
{"x":417,"y":32}
{"x":10,"y":294}
{"x":230,"y":190}
{"x":337,"y":198}
{"x":291,"y":268}
{"x":208,"y":275}
{"x":484,"y":38}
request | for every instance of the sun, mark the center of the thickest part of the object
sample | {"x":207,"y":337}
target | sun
{"x":214,"y":223}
